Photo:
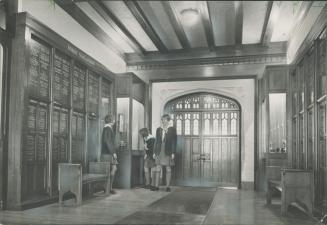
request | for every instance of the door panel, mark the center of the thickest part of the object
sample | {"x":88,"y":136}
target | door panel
{"x":207,"y":159}
{"x":187,"y":158}
{"x":196,"y":158}
{"x":215,"y":158}
{"x":208,"y":135}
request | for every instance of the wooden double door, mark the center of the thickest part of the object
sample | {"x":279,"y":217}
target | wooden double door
{"x":208,"y":144}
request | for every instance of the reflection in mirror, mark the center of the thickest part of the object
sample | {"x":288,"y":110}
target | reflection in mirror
{"x":123,"y":110}
{"x":277,"y":121}
{"x":138,"y":123}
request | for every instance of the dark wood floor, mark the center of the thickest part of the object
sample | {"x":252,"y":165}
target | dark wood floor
{"x":139,"y":206}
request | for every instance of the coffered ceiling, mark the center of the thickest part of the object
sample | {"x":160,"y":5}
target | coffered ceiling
{"x":179,"y":27}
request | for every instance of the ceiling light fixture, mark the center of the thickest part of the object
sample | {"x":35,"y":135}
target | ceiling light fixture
{"x":190,"y":16}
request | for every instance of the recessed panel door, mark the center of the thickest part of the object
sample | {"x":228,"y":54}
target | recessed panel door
{"x":208,"y":140}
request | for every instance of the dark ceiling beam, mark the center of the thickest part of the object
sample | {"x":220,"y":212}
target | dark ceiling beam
{"x":75,"y":12}
{"x":176,"y":23}
{"x":139,"y":15}
{"x":272,"y":14}
{"x":301,"y":14}
{"x":265,"y":23}
{"x":244,"y":50}
{"x":206,"y":20}
{"x":115,"y":23}
{"x":238,"y":22}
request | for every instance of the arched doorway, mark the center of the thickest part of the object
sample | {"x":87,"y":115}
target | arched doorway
{"x":208,"y":129}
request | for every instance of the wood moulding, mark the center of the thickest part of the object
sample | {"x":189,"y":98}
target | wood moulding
{"x":251,"y":59}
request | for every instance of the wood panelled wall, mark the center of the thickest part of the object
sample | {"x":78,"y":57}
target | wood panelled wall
{"x":274,"y":80}
{"x":5,"y":43}
{"x":308,"y":88}
{"x":59,"y":96}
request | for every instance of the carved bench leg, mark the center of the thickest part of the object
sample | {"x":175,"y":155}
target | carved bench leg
{"x":268,"y":195}
{"x":61,"y":197}
{"x":107,"y":186}
{"x":284,"y":203}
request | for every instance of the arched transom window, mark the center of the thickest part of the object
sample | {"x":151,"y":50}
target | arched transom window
{"x":204,"y":114}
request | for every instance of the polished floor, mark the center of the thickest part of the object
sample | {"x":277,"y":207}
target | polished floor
{"x":181,"y":206}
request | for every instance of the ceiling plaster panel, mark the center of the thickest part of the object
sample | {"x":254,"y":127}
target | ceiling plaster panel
{"x":194,"y":33}
{"x":120,"y":10}
{"x":253,"y":19}
{"x":286,"y":20}
{"x":88,"y":10}
{"x":158,"y":18}
{"x":222,"y":15}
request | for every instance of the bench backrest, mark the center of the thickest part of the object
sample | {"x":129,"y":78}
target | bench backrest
{"x":274,"y":163}
{"x":297,"y":178}
{"x":69,"y":173}
{"x":273,"y":173}
{"x":99,"y":167}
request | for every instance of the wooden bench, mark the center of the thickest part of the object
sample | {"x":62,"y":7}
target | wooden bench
{"x":295,"y":186}
{"x":71,"y":178}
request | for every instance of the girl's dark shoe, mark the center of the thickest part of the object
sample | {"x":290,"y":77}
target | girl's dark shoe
{"x":154,"y":188}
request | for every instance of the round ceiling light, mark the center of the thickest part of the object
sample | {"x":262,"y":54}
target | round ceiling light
{"x":189,"y":16}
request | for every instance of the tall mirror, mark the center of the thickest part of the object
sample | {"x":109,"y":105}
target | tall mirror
{"x":277,"y":122}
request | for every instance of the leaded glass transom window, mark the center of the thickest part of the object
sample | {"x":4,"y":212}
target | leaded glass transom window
{"x":207,"y":117}
{"x":187,"y":119}
{"x":224,"y":118}
{"x":204,"y":114}
{"x":215,"y":126}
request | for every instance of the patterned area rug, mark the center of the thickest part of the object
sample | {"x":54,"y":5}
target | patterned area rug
{"x":183,"y":206}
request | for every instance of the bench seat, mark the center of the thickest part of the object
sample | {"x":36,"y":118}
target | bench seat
{"x":89,"y":178}
{"x":276,"y":184}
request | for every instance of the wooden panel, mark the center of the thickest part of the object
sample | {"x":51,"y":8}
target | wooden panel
{"x":234,"y":160}
{"x":39,"y":70}
{"x":294,"y":142}
{"x":59,"y":142}
{"x":277,"y":78}
{"x":93,"y":140}
{"x":139,"y":91}
{"x":309,"y":70}
{"x":310,"y":140}
{"x":301,"y":150}
{"x":224,"y":158}
{"x":321,"y":65}
{"x":123,"y":86}
{"x":215,"y":158}
{"x":35,"y":150}
{"x":93,"y":92}
{"x":61,"y":79}
{"x":322,"y":154}
{"x":78,"y":135}
{"x":220,"y":161}
{"x":294,"y":92}
{"x":78,"y":92}
{"x":196,"y":154}
{"x":207,"y":161}
{"x":187,"y":158}
{"x":301,"y":86}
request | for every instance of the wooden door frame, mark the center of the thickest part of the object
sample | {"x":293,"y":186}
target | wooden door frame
{"x":5,"y":41}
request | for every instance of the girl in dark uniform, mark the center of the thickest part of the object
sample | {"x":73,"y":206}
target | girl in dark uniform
{"x":149,"y":164}
{"x":164,"y":150}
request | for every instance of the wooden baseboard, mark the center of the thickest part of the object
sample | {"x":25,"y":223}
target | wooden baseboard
{"x":247,"y":185}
